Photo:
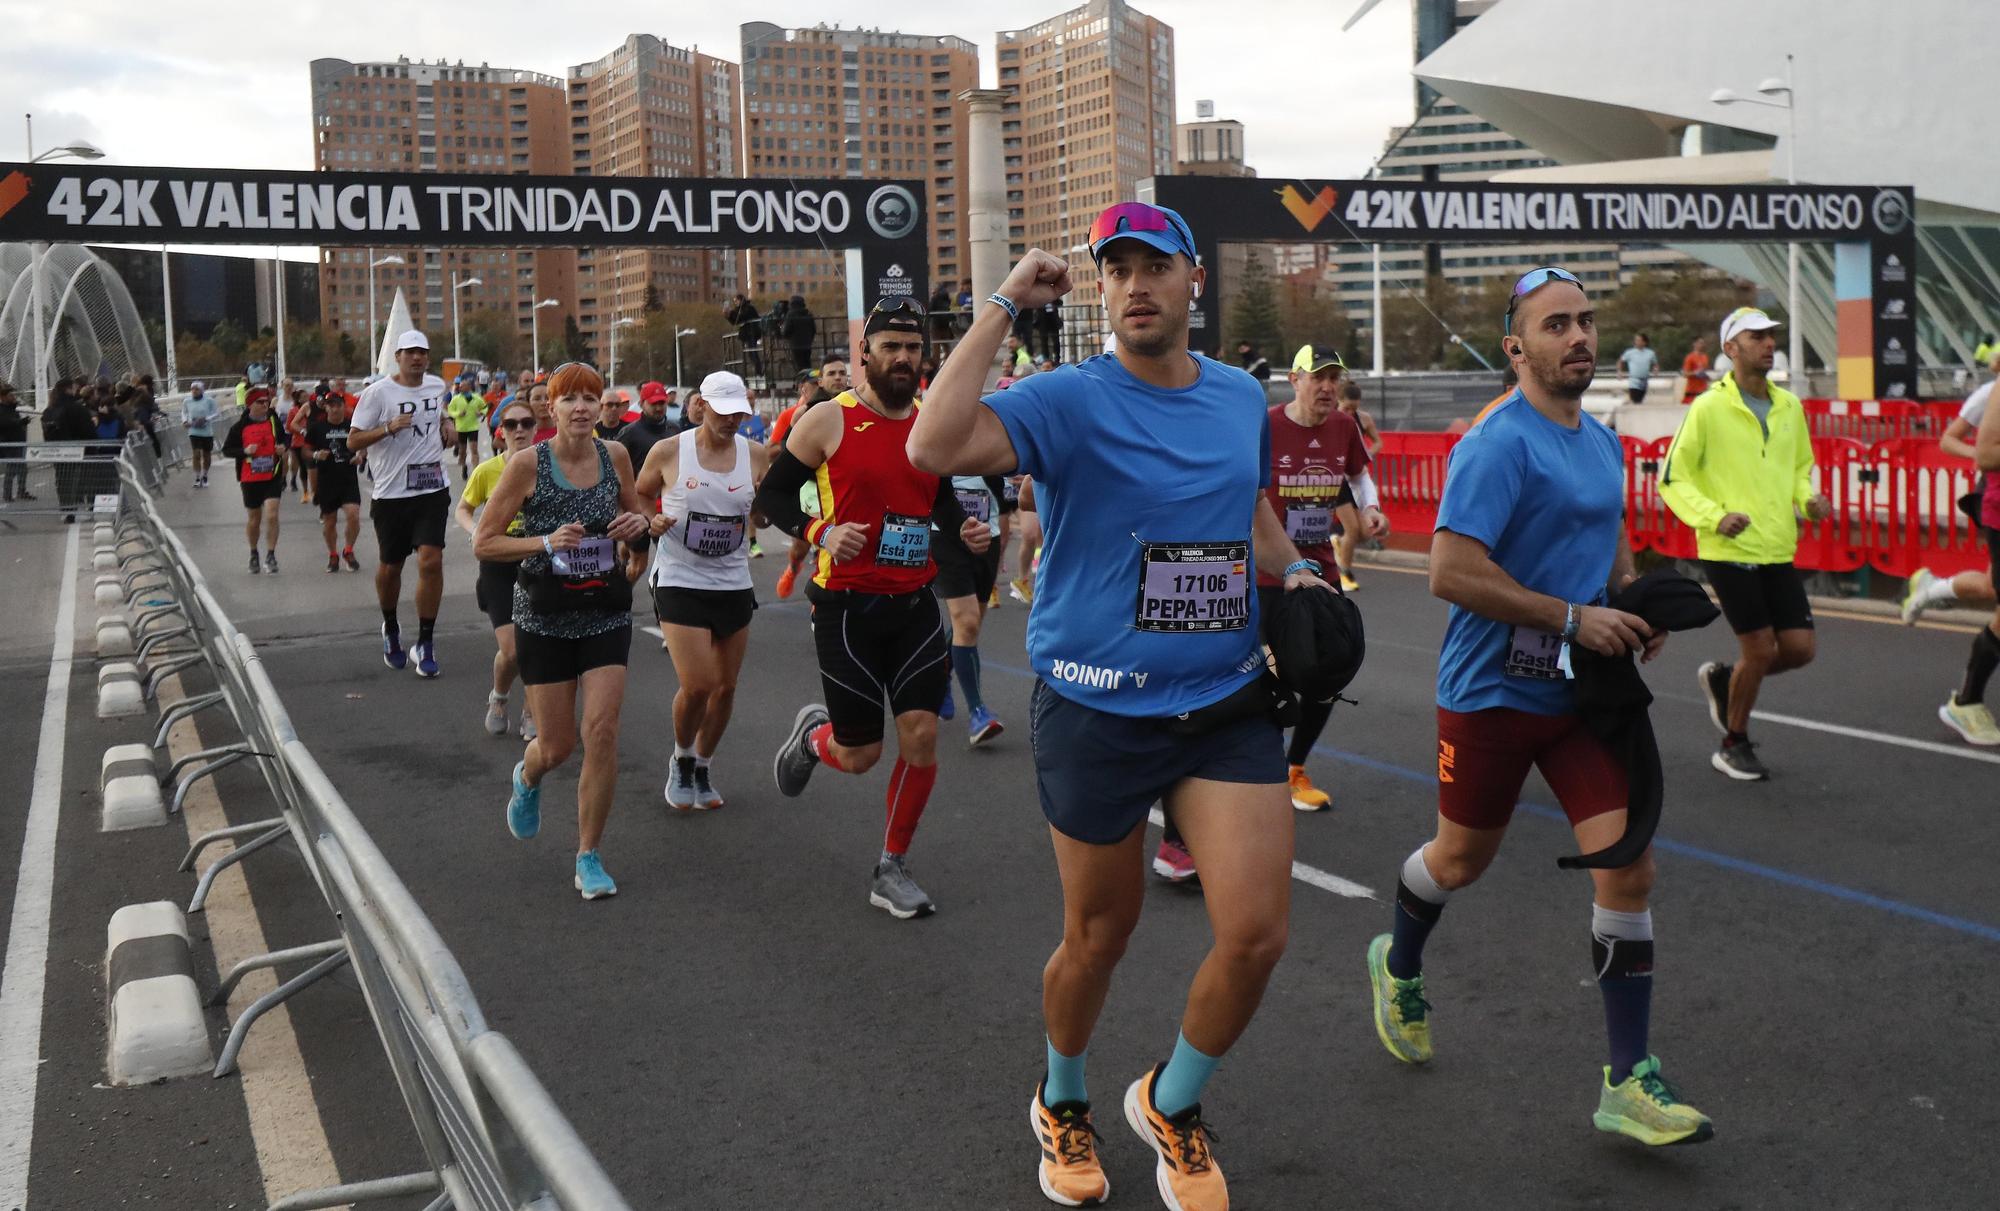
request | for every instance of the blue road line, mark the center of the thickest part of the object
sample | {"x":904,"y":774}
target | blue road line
{"x":1977,"y":929}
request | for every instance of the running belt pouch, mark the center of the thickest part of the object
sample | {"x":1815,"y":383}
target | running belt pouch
{"x":1263,"y":698}
{"x":549,"y":593}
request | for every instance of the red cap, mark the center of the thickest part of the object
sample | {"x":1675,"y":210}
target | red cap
{"x":648,"y":392}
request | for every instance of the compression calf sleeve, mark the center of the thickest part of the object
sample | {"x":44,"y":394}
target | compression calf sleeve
{"x":965,"y":662}
{"x":1621,"y":951}
{"x":1979,"y":669}
{"x":909,"y":792}
{"x":1312,"y":722}
{"x":1419,"y":904}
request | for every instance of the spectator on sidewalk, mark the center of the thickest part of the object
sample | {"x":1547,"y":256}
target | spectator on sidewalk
{"x":801,"y":329}
{"x":749,"y":332}
{"x":13,"y":446}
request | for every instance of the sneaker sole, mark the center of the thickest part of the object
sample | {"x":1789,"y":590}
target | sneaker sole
{"x":985,"y":733}
{"x":677,"y":805}
{"x":792,"y":741}
{"x":1918,"y":583}
{"x":1618,"y":1124}
{"x":901,"y":914}
{"x":1377,"y":971}
{"x":1135,"y":1118}
{"x":496,"y":731}
{"x":1042,"y":1174}
{"x":1701,"y":676}
{"x":1305,"y":806}
{"x":1715,"y":759}
{"x":1170,"y":874}
{"x":1944,"y":715}
{"x":588,"y":895}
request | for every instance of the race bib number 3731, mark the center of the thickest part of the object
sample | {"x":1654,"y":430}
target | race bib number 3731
{"x":1194,"y":586}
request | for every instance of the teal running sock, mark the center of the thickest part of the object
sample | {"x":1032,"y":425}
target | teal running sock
{"x":965,"y":662}
{"x":1064,"y":1082}
{"x":1180,"y":1082}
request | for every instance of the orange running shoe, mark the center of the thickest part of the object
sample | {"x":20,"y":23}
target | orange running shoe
{"x":787,"y":578}
{"x":1187,"y":1174}
{"x":1305,"y":796}
{"x":1069,"y":1170}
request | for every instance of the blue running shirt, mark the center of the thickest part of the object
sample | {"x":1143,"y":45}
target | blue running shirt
{"x":1146,"y":604}
{"x":1547,"y":502}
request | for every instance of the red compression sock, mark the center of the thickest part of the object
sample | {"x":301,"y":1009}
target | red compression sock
{"x":821,"y":742}
{"x":909,"y":790}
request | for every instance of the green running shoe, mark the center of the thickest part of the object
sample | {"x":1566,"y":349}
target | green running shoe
{"x":1647,"y":1108}
{"x":1402,"y":1016}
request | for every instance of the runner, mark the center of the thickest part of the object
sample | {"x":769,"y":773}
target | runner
{"x":965,"y":583}
{"x":1738,"y":473}
{"x":875,"y":620}
{"x":1965,"y":711}
{"x":1973,"y":586}
{"x":199,"y":415}
{"x":336,"y":482}
{"x":640,"y":436}
{"x":304,"y":412}
{"x":1694,"y":371}
{"x":404,"y":415}
{"x":1028,"y":560}
{"x":1350,"y":519}
{"x":1529,"y":537}
{"x":495,"y":588}
{"x":468,"y":411}
{"x":810,"y":393}
{"x":834,"y":377}
{"x":705,"y":480}
{"x":575,"y":500}
{"x":257,"y":442}
{"x":1145,"y":637}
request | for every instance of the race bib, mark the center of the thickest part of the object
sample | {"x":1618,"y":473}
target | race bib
{"x":905,"y":541}
{"x":1309,"y":525}
{"x":711,"y":534}
{"x":262,"y":464}
{"x":1536,"y":654}
{"x":977,"y":505}
{"x":591,"y":557}
{"x":425,"y":477}
{"x":1013,"y":491}
{"x":1194,"y":586}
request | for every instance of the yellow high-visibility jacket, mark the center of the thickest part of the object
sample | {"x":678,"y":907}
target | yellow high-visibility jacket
{"x":1722,"y":461}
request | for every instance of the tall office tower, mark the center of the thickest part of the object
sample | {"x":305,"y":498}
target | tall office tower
{"x":1092,"y":115}
{"x":649,"y":109}
{"x":405,"y":116}
{"x":833,"y":102}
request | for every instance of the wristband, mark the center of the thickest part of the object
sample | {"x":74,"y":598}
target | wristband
{"x":1006,"y":304}
{"x":1302,"y":565}
{"x":546,"y":548}
{"x":1572,"y":617}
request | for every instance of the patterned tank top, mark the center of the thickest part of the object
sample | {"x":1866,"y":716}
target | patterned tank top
{"x":553,"y":504}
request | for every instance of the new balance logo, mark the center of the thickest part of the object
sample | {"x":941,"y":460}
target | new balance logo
{"x":1447,"y":758}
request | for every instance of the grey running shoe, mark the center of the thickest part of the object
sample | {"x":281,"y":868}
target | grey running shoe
{"x":896,"y":893}
{"x":271,"y":562}
{"x":1713,"y":678}
{"x":1740,"y":762}
{"x":795,"y":762}
{"x":680,"y":784}
{"x":706,"y":797}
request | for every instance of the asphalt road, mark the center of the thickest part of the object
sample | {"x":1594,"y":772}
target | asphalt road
{"x":738,"y":1028}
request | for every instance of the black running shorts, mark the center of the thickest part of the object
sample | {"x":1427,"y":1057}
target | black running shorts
{"x":720,"y":612}
{"x":404,"y":523}
{"x":1760,"y":596}
{"x":875,"y":647}
{"x":960,"y":573}
{"x":494,"y":591}
{"x":255,"y":494}
{"x":551,"y":660}
{"x":201,"y":441}
{"x":334,"y":491}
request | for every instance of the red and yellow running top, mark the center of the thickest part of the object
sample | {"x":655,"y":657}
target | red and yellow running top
{"x":869,"y":480}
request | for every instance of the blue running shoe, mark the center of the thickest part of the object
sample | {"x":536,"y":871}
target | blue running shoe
{"x":590,"y":877}
{"x":984,"y":726}
{"x":524,"y":807}
{"x":948,"y":709}
{"x":392,"y":648}
{"x":425,"y":653}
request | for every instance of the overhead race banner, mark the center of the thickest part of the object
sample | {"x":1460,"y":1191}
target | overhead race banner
{"x":73,"y":203}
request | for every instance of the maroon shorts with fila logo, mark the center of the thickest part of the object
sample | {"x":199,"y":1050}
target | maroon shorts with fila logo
{"x":1484,"y":758}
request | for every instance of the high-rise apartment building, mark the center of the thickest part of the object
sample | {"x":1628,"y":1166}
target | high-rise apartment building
{"x":1092,"y":115}
{"x":649,"y":109}
{"x":405,"y":116}
{"x":832,"y":102}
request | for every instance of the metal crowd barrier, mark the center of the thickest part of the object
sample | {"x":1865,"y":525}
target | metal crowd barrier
{"x":493,"y":1138}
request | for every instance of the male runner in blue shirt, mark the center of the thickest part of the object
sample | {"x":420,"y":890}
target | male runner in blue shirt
{"x":1148,"y":468}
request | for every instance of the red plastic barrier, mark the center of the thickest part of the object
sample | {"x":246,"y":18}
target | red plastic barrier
{"x":1844,"y":475}
{"x":1652,"y":524}
{"x":1409,"y":475}
{"x":1917,"y":500}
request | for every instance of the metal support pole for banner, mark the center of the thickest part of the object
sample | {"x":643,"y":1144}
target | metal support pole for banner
{"x":373,"y":347}
{"x":167,"y":305}
{"x":278,"y":305}
{"x":1798,"y":327}
{"x":1377,"y":322}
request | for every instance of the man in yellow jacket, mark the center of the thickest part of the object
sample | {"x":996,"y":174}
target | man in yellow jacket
{"x":1739,"y":473}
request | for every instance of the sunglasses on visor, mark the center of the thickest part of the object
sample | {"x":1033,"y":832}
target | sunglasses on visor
{"x":1534,"y":280}
{"x":1136,"y":216}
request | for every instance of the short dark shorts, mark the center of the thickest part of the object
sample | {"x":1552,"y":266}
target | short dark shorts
{"x":202,"y":442}
{"x":494,"y":591}
{"x":1484,"y":757}
{"x":334,"y":491}
{"x":255,"y":494}
{"x":404,"y":523}
{"x":1993,"y":554}
{"x":960,"y":573}
{"x":1098,"y":773}
{"x":721,"y":612}
{"x":875,"y":647}
{"x":1759,"y":596}
{"x":1636,"y":394}
{"x":550,"y":660}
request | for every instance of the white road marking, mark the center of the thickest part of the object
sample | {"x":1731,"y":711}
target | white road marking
{"x":653,"y":631}
{"x":22,"y":980}
{"x":1860,"y":733}
{"x":1312,"y":875}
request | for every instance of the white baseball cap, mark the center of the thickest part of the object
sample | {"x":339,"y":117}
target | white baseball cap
{"x":412,"y":340}
{"x":196,"y":386}
{"x":725,"y":393}
{"x":1746,"y":319}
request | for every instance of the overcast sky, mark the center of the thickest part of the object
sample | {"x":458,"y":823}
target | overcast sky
{"x":224,"y":83}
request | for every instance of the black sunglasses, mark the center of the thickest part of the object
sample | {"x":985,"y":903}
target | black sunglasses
{"x":900,"y":303}
{"x":527,"y":423}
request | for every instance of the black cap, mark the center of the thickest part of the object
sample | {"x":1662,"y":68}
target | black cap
{"x":898,"y":313}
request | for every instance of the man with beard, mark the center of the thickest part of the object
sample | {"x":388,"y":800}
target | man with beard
{"x":1529,"y":543}
{"x":1145,"y":637}
{"x":875,"y":620}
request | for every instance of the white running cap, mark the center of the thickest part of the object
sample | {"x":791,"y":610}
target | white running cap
{"x":412,"y":340}
{"x":725,"y":393}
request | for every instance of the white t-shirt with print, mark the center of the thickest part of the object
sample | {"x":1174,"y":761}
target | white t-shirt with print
{"x":409,"y":462}
{"x":1974,"y":408}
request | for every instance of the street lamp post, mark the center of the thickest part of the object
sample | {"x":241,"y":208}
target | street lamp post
{"x":38,"y":251}
{"x":456,"y":286}
{"x":678,"y":334}
{"x":392,"y":259}
{"x":535,"y":333}
{"x":1772,"y":88}
{"x":612,"y":376}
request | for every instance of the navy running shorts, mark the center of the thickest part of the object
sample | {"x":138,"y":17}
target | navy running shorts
{"x":1098,"y":773}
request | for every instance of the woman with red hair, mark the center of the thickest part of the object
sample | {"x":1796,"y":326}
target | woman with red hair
{"x":572,"y":606}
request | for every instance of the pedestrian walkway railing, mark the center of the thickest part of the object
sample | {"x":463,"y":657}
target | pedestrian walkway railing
{"x":491,"y":1136}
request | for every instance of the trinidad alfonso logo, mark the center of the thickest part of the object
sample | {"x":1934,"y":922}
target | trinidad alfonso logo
{"x":1310,"y":212}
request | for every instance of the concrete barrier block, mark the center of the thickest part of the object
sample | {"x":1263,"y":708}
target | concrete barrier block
{"x":103,"y":537}
{"x":131,"y":785}
{"x":118,"y":691}
{"x":109,"y":591}
{"x":114,"y":636}
{"x":154,"y":1015}
{"x":105,"y":560}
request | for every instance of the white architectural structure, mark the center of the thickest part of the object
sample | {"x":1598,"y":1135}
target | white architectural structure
{"x":90,"y":326}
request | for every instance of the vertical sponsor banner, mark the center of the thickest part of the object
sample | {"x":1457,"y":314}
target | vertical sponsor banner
{"x":1893,"y":302}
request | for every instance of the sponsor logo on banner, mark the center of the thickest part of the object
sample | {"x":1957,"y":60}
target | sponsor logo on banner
{"x":1893,"y":269}
{"x":1894,"y":354}
{"x":1895,"y":309}
{"x":1309,"y":213}
{"x":1891,"y":212}
{"x":894,"y":283}
{"x":892,"y":212}
{"x":1897,"y":389}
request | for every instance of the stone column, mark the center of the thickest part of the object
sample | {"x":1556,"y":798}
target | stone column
{"x":986,"y":193}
